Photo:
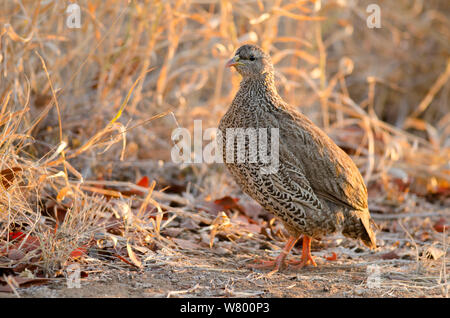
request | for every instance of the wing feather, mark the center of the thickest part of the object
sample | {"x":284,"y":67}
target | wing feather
{"x":330,"y":172}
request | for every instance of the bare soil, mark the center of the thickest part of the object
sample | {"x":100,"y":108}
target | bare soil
{"x":207,"y":273}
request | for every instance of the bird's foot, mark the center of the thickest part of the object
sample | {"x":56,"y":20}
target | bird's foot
{"x":306,"y":254}
{"x":275,"y":265}
{"x":266,"y":264}
{"x":304,"y":262}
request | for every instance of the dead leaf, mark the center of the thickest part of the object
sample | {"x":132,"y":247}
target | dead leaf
{"x":31,"y":242}
{"x":228,"y":203}
{"x":144,"y":182}
{"x":16,"y":235}
{"x":78,"y":252}
{"x":333,"y":257}
{"x":221,"y":222}
{"x":186,"y":244}
{"x":173,"y":231}
{"x":7,"y":176}
{"x":255,"y":211}
{"x":15,"y":254}
{"x":390,"y":255}
{"x":434,"y":253}
{"x":220,"y":205}
{"x":6,"y":271}
{"x":441,"y":225}
{"x":246,"y":223}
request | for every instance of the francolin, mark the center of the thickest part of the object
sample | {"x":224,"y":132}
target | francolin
{"x":316,"y":189}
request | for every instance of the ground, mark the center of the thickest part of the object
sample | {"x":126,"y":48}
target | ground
{"x":206,"y":273}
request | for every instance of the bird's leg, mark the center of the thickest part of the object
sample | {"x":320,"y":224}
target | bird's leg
{"x":306,"y":253}
{"x":278,"y":262}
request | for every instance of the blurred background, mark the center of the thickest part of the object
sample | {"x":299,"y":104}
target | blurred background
{"x":381,"y":93}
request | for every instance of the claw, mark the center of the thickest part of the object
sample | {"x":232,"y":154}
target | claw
{"x":278,"y":262}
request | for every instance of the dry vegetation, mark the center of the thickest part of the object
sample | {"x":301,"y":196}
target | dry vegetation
{"x":86,"y":117}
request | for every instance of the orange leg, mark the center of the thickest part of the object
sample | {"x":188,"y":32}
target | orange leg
{"x":306,"y":253}
{"x":280,"y":260}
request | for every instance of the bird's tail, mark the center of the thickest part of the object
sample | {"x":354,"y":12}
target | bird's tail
{"x":358,"y":226}
{"x":367,"y":234}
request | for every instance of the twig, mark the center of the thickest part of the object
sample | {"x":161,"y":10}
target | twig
{"x":180,"y":292}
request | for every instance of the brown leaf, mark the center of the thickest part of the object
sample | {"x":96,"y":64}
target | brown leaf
{"x":30,"y":244}
{"x":222,"y":222}
{"x":173,"y":231}
{"x":247,"y":223}
{"x":41,"y":100}
{"x":7,"y":176}
{"x":390,"y":255}
{"x":221,"y":205}
{"x":15,"y":254}
{"x":441,"y":225}
{"x":186,"y":244}
{"x":55,"y":210}
{"x":255,"y":211}
{"x":228,"y":203}
{"x":433,"y":253}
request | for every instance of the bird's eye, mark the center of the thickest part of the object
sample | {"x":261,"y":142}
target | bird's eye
{"x":252,"y":58}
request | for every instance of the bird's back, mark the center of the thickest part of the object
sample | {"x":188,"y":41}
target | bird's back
{"x":332,"y":174}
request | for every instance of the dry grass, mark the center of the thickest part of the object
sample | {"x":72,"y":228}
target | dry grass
{"x":84,"y":113}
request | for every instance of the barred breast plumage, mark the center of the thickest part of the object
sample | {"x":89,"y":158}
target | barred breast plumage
{"x":316,"y":189}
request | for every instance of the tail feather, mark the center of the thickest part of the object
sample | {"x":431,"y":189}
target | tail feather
{"x":367,"y":234}
{"x":357,"y":226}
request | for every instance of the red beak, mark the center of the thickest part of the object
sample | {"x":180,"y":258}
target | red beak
{"x":233,"y":62}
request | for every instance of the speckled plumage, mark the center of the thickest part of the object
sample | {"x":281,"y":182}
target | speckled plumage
{"x":317,"y":189}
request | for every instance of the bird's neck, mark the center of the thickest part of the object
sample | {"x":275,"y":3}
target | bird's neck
{"x":264,"y":83}
{"x":260,"y":87}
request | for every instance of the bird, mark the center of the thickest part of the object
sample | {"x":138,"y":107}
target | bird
{"x":316,"y":188}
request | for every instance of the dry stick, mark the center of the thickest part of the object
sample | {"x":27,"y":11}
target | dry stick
{"x":414,"y":243}
{"x":55,"y":99}
{"x":12,"y":283}
{"x":179,"y":292}
{"x":159,"y":195}
{"x":21,"y":113}
{"x":100,"y":134}
{"x":442,"y":79}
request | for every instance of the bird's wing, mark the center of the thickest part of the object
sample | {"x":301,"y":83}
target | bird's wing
{"x":290,"y":183}
{"x":331,"y":173}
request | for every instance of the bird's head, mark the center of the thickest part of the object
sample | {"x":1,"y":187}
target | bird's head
{"x":251,"y":61}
